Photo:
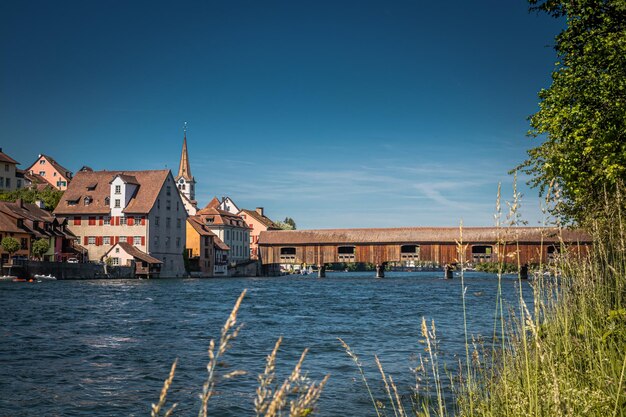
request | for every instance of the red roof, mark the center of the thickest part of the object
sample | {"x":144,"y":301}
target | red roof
{"x":7,"y":159}
{"x":420,"y":235}
{"x":82,"y":185}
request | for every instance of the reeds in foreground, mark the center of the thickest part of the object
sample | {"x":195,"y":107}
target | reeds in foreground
{"x":297,"y":394}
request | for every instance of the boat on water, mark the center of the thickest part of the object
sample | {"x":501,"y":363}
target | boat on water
{"x":7,"y":278}
{"x":48,"y":277}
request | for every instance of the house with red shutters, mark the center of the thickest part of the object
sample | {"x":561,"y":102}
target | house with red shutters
{"x":140,"y":208}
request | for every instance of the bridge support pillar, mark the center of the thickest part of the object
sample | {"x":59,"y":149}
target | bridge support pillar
{"x":523,"y":272}
{"x":447,"y":271}
{"x":321,"y":271}
{"x":380,"y":270}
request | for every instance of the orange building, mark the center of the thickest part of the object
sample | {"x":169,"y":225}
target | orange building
{"x":50,"y":170}
{"x":258,"y":222}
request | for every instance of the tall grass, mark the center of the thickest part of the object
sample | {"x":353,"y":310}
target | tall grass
{"x":566,"y":357}
{"x":295,"y":396}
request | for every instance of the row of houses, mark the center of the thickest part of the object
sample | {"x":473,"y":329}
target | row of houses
{"x":45,"y":171}
{"x":149,"y":219}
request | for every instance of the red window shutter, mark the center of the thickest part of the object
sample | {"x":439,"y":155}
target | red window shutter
{"x":86,"y":240}
{"x":143,"y":241}
{"x":97,"y":240}
{"x":129,"y":240}
{"x":101,"y":220}
{"x":117,"y":239}
{"x":130,"y":221}
{"x":143,"y":221}
{"x":92,"y":221}
{"x":117,"y":220}
{"x":77,"y":221}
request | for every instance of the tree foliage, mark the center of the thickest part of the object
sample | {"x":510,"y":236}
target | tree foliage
{"x":287,"y":224}
{"x":40,"y":246}
{"x":50,"y":196}
{"x":583,"y":114}
{"x":10,"y":245}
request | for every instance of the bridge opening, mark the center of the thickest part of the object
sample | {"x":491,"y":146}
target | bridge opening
{"x":346,"y":253}
{"x":409,"y":252}
{"x":553,"y":252}
{"x":288,"y":254}
{"x":482,"y":254}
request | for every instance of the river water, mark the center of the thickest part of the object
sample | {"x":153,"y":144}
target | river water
{"x":103,"y":348}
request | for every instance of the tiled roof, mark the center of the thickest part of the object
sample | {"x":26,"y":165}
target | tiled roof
{"x":150,"y":184}
{"x":136,"y":253}
{"x":264,"y":220}
{"x":418,"y":235}
{"x":7,"y":159}
{"x":215,"y":203}
{"x":220,"y":245}
{"x":214,"y":216}
{"x":60,"y":168}
{"x":199,"y":226}
{"x":128,"y":179}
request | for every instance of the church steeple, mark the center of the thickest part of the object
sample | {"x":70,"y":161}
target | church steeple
{"x":184,"y":180}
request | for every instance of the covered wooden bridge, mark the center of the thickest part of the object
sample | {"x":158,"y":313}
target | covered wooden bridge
{"x":417,"y":245}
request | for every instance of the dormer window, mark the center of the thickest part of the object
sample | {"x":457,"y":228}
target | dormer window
{"x":92,"y":187}
{"x":72,"y":202}
{"x":118,"y":189}
{"x":87,"y":200}
{"x":209,"y":220}
{"x":107,"y":201}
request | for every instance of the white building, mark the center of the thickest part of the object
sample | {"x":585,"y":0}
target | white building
{"x":141,"y":208}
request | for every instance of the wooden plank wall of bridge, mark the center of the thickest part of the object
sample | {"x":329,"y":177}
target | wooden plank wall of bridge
{"x":316,"y":247}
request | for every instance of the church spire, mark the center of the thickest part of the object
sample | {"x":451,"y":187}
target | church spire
{"x":184,"y":170}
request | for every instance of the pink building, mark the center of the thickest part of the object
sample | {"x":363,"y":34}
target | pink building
{"x":50,"y":170}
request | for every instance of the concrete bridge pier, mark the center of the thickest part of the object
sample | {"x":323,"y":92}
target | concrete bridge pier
{"x":380,"y":270}
{"x":321,"y":271}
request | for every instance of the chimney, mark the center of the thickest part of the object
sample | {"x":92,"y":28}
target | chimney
{"x":259,"y":210}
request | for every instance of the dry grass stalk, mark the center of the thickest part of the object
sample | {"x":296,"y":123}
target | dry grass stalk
{"x":156,"y":408}
{"x":356,"y":361}
{"x":304,"y":403}
{"x":387,"y":389}
{"x":229,"y":333}
{"x":264,"y":390}
{"x":280,"y":396}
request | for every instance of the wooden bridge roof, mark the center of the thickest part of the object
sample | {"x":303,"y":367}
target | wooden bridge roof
{"x":420,"y":235}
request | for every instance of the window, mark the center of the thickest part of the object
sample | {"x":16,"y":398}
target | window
{"x":158,"y":203}
{"x":6,"y":167}
{"x":106,"y":240}
{"x":1,"y":181}
{"x":228,"y":235}
{"x":156,"y":241}
{"x":42,"y":173}
{"x":87,"y":200}
{"x":178,"y":223}
{"x":8,"y":182}
{"x":91,"y":240}
{"x":167,"y":241}
{"x":168,"y":190}
{"x":177,"y":204}
{"x":107,"y":221}
{"x":123,"y":221}
{"x":117,"y":203}
{"x":107,"y":200}
{"x":137,"y":221}
{"x":118,"y":189}
{"x":77,"y":221}
{"x":19,"y":183}
{"x":54,"y":174}
{"x":115,"y":261}
{"x":117,"y":250}
{"x":137,"y":240}
{"x":168,"y":204}
{"x":168,"y":222}
{"x":156,"y":221}
{"x":92,"y":221}
{"x":42,"y":161}
{"x":24,"y":243}
{"x":178,"y":242}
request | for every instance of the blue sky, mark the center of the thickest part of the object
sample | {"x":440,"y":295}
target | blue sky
{"x":335,"y":113}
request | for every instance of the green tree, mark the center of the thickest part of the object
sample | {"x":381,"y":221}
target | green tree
{"x":10,"y":245}
{"x":40,"y":247}
{"x":287,"y":224}
{"x":582,"y":115}
{"x":49,"y":196}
